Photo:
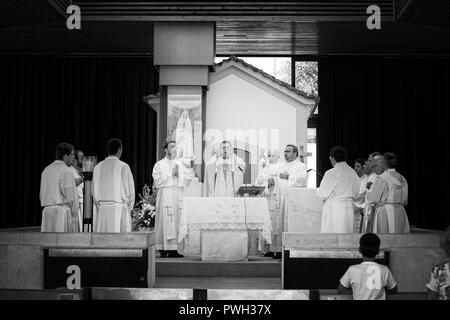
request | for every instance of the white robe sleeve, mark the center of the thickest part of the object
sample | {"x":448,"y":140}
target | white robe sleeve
{"x":68,"y":189}
{"x":128,"y":185}
{"x":239,"y":171}
{"x":210,"y":173}
{"x":184,"y":176}
{"x":93,"y":189}
{"x":41,"y":190}
{"x":240,"y":164}
{"x":356,"y":188}
{"x":327,"y":186}
{"x":405,"y":192}
{"x":299,"y":177}
{"x":261,"y":179}
{"x":159,"y":176}
{"x":362,"y":189}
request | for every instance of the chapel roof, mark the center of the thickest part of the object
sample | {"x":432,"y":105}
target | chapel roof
{"x":269,"y":77}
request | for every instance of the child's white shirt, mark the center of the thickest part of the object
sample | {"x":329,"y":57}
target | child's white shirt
{"x":368,"y":280}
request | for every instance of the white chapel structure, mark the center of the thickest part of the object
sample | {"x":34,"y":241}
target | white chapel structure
{"x":256,"y":111}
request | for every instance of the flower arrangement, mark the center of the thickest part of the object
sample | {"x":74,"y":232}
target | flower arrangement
{"x":143,"y":213}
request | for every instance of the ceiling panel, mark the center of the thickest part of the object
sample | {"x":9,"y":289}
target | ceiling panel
{"x":350,"y":10}
{"x":27,"y":12}
{"x":429,"y":12}
{"x":266,"y":28}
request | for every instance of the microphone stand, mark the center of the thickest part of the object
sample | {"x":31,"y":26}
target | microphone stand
{"x":319,"y":174}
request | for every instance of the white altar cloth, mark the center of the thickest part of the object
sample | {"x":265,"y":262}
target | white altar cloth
{"x":222,"y":213}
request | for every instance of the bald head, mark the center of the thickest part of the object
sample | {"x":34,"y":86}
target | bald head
{"x":273,"y":155}
{"x":380,"y":164}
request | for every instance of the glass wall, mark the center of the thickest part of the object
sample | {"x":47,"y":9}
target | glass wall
{"x":184,"y":124}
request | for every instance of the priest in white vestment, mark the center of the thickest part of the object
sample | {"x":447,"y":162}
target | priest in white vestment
{"x":359,"y":202}
{"x":375,"y":218}
{"x":269,"y":170}
{"x":398,"y":196}
{"x":292,"y":173}
{"x":370,"y":169}
{"x":170,"y":177}
{"x":224,"y":173}
{"x":338,"y":189}
{"x":77,"y":170}
{"x":58,"y":193}
{"x":113,"y":192}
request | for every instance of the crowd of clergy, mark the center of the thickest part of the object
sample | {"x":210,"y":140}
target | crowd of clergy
{"x":374,"y":190}
{"x":368,"y":198}
{"x":62,"y":191}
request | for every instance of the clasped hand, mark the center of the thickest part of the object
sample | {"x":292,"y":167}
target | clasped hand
{"x":270,"y":182}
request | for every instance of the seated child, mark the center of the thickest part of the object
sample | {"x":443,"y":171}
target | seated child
{"x":368,"y":280}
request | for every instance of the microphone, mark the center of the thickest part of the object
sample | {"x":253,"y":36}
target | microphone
{"x":315,"y":172}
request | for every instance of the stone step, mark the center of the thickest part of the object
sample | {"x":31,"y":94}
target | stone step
{"x":192,"y":266}
{"x":237,"y":283}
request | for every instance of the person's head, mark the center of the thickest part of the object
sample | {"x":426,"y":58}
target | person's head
{"x":445,"y":241}
{"x":379,"y":164}
{"x":371,"y":156}
{"x":226,"y":149}
{"x":290,"y":152}
{"x":391,"y":160}
{"x":369,"y":245}
{"x":65,"y":152}
{"x":337,"y":154}
{"x":215,"y":151}
{"x":114,"y":147}
{"x":170,"y":148}
{"x":367,"y":167}
{"x":359,"y":166}
{"x":273,"y":156}
{"x":79,"y":156}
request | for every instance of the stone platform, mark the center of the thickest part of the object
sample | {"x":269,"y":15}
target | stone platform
{"x":193,"y":266}
{"x":191,"y":272}
{"x":22,"y":252}
{"x":412,"y":257}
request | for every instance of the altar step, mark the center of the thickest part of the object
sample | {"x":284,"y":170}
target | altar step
{"x":219,"y":283}
{"x":192,"y":266}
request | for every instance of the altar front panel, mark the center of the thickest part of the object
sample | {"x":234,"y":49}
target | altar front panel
{"x":223,"y":213}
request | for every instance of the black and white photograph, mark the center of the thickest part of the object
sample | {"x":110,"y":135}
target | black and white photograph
{"x":224,"y":155}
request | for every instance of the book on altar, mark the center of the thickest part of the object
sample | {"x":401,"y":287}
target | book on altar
{"x":249,"y":190}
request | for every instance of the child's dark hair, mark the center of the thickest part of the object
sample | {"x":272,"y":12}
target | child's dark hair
{"x":369,"y":244}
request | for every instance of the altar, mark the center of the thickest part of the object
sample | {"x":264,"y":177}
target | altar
{"x":304,"y":210}
{"x":218,"y":227}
